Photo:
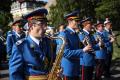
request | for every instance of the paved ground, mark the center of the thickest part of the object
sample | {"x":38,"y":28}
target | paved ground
{"x":115,"y":70}
{"x":4,"y":72}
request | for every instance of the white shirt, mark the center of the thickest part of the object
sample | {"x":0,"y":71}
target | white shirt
{"x":35,"y":40}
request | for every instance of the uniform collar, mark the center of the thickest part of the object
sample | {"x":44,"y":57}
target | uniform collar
{"x":99,"y":32}
{"x":35,"y":39}
{"x":107,"y":29}
{"x":17,"y":34}
{"x":71,"y":29}
{"x":13,"y":30}
{"x":86,"y":31}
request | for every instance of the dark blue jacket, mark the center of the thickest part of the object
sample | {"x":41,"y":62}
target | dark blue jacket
{"x":29,"y":59}
{"x":72,"y":53}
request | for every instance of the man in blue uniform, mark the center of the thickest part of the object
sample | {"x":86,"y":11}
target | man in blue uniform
{"x":102,"y":51}
{"x":32,"y":57}
{"x":88,"y":59}
{"x":14,"y":36}
{"x":110,"y":39}
{"x":73,"y":49}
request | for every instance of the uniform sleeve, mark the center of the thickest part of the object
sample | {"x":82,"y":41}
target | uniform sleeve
{"x":106,"y":40}
{"x":9,"y":44}
{"x":16,"y":65}
{"x":68,"y":52}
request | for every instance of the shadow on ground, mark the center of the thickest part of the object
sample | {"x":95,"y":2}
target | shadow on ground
{"x":115,"y":70}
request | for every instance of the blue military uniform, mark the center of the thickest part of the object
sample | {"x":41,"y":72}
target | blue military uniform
{"x":72,"y":52}
{"x":107,"y":34}
{"x":12,"y":37}
{"x":101,"y":53}
{"x":88,"y":59}
{"x":31,"y":57}
{"x":10,"y":32}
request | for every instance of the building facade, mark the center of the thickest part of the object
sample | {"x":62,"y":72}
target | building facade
{"x":20,"y":8}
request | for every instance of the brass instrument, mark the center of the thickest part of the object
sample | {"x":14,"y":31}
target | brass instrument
{"x":3,"y":40}
{"x":86,"y":42}
{"x":53,"y":75}
{"x":114,"y":37}
{"x":99,"y":39}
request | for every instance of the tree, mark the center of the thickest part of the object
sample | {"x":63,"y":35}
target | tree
{"x":57,"y":12}
{"x":5,"y":15}
{"x":111,"y":9}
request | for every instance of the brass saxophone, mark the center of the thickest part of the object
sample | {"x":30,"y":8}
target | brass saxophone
{"x":53,"y":75}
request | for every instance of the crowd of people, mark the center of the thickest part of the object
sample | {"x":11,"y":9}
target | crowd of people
{"x":32,"y":53}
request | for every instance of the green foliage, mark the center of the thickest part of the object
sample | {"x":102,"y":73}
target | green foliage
{"x":94,"y":8}
{"x":63,"y":7}
{"x":109,"y":8}
{"x":5,"y":16}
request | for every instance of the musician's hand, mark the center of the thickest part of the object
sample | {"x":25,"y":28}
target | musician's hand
{"x":59,"y":74}
{"x":112,"y":39}
{"x":101,"y":44}
{"x":87,"y":48}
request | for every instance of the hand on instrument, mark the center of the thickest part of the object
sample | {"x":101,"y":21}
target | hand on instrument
{"x":88,"y":48}
{"x":112,"y":39}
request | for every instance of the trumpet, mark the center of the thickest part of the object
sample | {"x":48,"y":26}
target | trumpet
{"x":115,"y":39}
{"x":100,"y":40}
{"x":86,"y":42}
{"x":113,"y":35}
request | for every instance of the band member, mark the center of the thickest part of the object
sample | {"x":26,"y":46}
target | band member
{"x":32,"y":56}
{"x":110,"y":39}
{"x":12,"y":31}
{"x":14,"y":35}
{"x":101,"y":53}
{"x":71,"y":59}
{"x":88,"y":60}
